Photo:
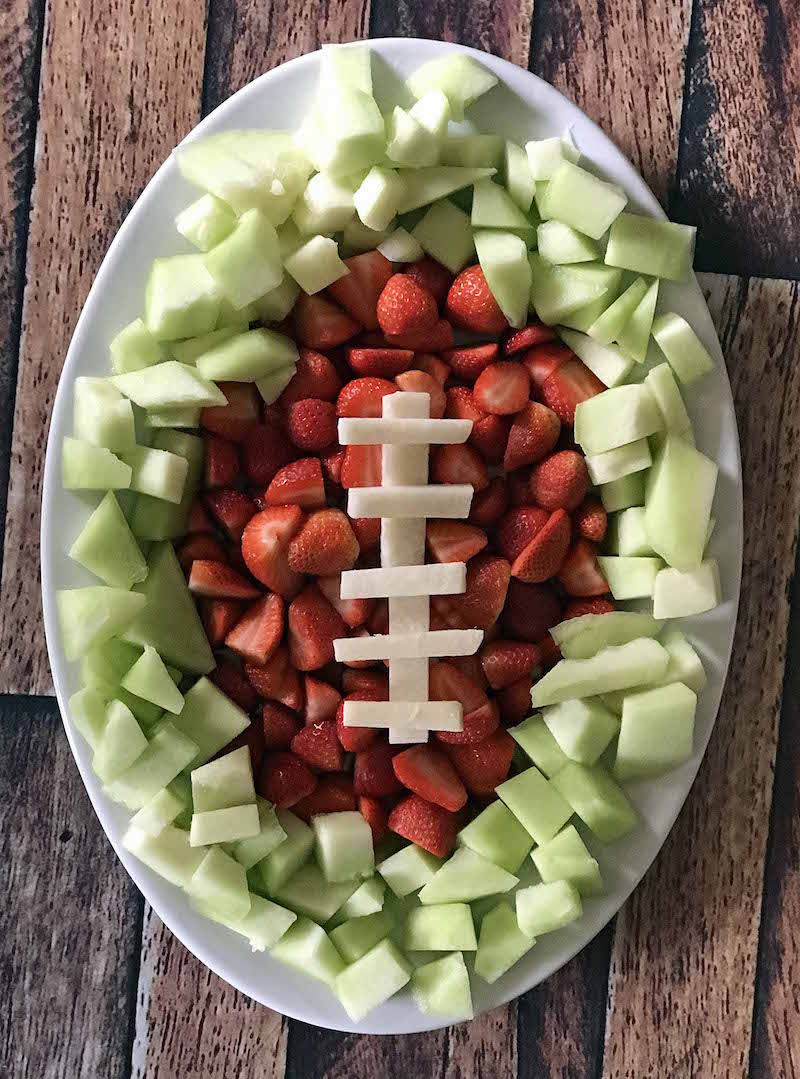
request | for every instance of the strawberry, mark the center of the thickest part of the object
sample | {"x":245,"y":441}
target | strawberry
{"x":276,"y":680}
{"x":199,"y":521}
{"x":551,"y":653}
{"x":580,"y":573}
{"x":570,"y":383}
{"x":373,"y":774}
{"x":378,"y":621}
{"x":313,"y":627}
{"x":406,"y":307}
{"x":458,"y":463}
{"x":234,"y":420}
{"x":284,"y":779}
{"x":461,"y":405}
{"x":355,"y":612}
{"x":321,"y":324}
{"x":265,"y":548}
{"x":484,"y":766}
{"x":426,"y":771}
{"x":368,"y":532}
{"x":315,"y":377}
{"x":471,"y":305}
{"x":354,"y":681}
{"x":419,"y":382}
{"x":279,"y":724}
{"x":490,"y":504}
{"x":358,"y":291}
{"x":299,"y":483}
{"x":535,"y":333}
{"x":374,"y":813}
{"x":219,"y":616}
{"x":560,"y":481}
{"x":235,"y":685}
{"x":222,"y":462}
{"x":577,"y":607}
{"x":490,"y":437}
{"x":333,"y":794}
{"x":361,"y":467}
{"x":322,"y":700}
{"x":217,"y":580}
{"x":356,"y":739}
{"x":469,"y":362}
{"x":454,"y":541}
{"x":253,"y":738}
{"x":519,"y":487}
{"x":380,"y":362}
{"x":533,"y":434}
{"x":318,"y":745}
{"x":530,"y":611}
{"x":590,"y":520}
{"x":232,"y":509}
{"x":325,"y":543}
{"x":431,"y":275}
{"x":363,"y":397}
{"x":431,"y":365}
{"x":471,"y":667}
{"x":480,"y":605}
{"x":258,"y":633}
{"x":543,"y":360}
{"x":514,"y":701}
{"x":542,"y":557}
{"x":265,"y":451}
{"x":502,"y":388}
{"x":331,"y":461}
{"x":517,"y":528}
{"x":200,"y":546}
{"x":477,"y":725}
{"x":436,"y":339}
{"x":311,"y":424}
{"x":505,"y":661}
{"x":448,"y":683}
{"x":428,"y":825}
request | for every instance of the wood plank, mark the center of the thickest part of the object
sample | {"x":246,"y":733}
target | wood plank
{"x":623,"y":63}
{"x":70,"y":917}
{"x":109,"y":114}
{"x":681,"y":991}
{"x":740,"y":151}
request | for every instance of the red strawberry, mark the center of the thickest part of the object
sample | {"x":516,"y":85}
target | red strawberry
{"x":428,"y":825}
{"x":313,"y":627}
{"x":315,"y":377}
{"x":363,"y":397}
{"x":551,"y":653}
{"x":373,"y":774}
{"x":490,"y":504}
{"x":299,"y":483}
{"x":571,"y":383}
{"x":580,"y":573}
{"x":356,"y":739}
{"x":454,"y":541}
{"x":265,"y":548}
{"x":477,"y":726}
{"x":318,"y":745}
{"x":448,"y":683}
{"x":258,"y":633}
{"x":506,"y":661}
{"x":354,"y":681}
{"x":358,"y":291}
{"x":265,"y":451}
{"x":484,"y":766}
{"x":458,"y":463}
{"x":419,"y":382}
{"x":436,"y":339}
{"x":311,"y":424}
{"x":518,"y":527}
{"x":253,"y":738}
{"x":232,"y":509}
{"x":471,"y":305}
{"x":489,"y":437}
{"x":480,"y":605}
{"x":536,"y":333}
{"x":368,"y":532}
{"x":333,"y":794}
{"x":374,"y":813}
{"x":431,"y":365}
{"x":355,"y":612}
{"x":199,"y":521}
{"x":502,"y":388}
{"x":514,"y":701}
{"x":530,"y":611}
{"x":468,"y":363}
{"x":380,"y":362}
{"x":279,"y":724}
{"x":542,"y":557}
{"x":284,"y":779}
{"x":519,"y":487}
{"x":276,"y":680}
{"x":216,"y":580}
{"x":543,"y":360}
{"x":577,"y":607}
{"x":361,"y":467}
{"x":426,"y":771}
{"x":590,"y":520}
{"x":471,"y":667}
{"x":533,"y":434}
{"x":222,"y":462}
{"x":431,"y":275}
{"x":200,"y":546}
{"x":219,"y":616}
{"x":560,"y":481}
{"x":325,"y":543}
{"x":235,"y":685}
{"x":320,"y":324}
{"x":405,"y":307}
{"x":461,"y":405}
{"x":234,"y":420}
{"x":322,"y":700}
{"x":378,"y":621}
{"x":331,"y":461}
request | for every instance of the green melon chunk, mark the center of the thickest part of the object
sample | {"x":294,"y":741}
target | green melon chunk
{"x":372,"y":979}
{"x":582,"y":728}
{"x":517,"y":175}
{"x":287,"y":858}
{"x":678,"y":498}
{"x":276,"y":304}
{"x":378,"y":197}
{"x":442,"y":988}
{"x":426,"y":186}
{"x":543,"y":908}
{"x":107,"y":547}
{"x":560,"y":244}
{"x":343,"y":844}
{"x":580,"y":199}
{"x":86,"y":467}
{"x":409,"y":869}
{"x":608,"y":362}
{"x":368,"y":898}
{"x":616,"y":417}
{"x":223,"y":825}
{"x":545,"y":156}
{"x":157,"y":473}
{"x":447,"y":927}
{"x":249,"y":852}
{"x":344,"y":132}
{"x":473,"y":151}
{"x":135,"y":347}
{"x":356,"y":936}
{"x":445,"y":234}
{"x":308,"y":948}
{"x":681,"y":594}
{"x":263,"y":925}
{"x":224,"y":782}
{"x":272,"y":386}
{"x":155,"y":519}
{"x":598,"y":275}
{"x":433,"y":112}
{"x":210,"y":718}
{"x":624,"y":492}
{"x":105,"y":665}
{"x":345,"y":65}
{"x":684,"y":663}
{"x":163,"y":808}
{"x":493,"y":208}
{"x":89,"y":616}
{"x":181,"y":298}
{"x":630,"y":577}
{"x":149,"y":679}
{"x":308,"y":893}
{"x":167,"y":754}
{"x":497,"y":835}
{"x":401,"y":246}
{"x":120,"y":744}
{"x":622,"y":461}
{"x":504,"y":260}
{"x":667,"y":395}
{"x":316,"y":265}
{"x":617,"y":667}
{"x":188,"y":351}
{"x":597,"y":800}
{"x":409,"y":143}
{"x":536,"y":803}
{"x":461,"y":78}
{"x":565,"y":857}
{"x":169,"y":384}
{"x":179,"y":416}
{"x":686,"y":354}
{"x":465,"y":876}
{"x":167,"y":854}
{"x":540,"y":746}
{"x":101,"y":415}
{"x":610,"y":325}
{"x":221,"y":882}
{"x":557,"y":291}
{"x":634,"y":338}
{"x":501,"y":943}
{"x":87,"y":709}
{"x":233,"y":315}
{"x":627,"y":534}
{"x":583,"y":637}
{"x":247,"y":263}
{"x":657,"y":731}
{"x":325,"y":206}
{"x":206,"y":222}
{"x":248,"y":356}
{"x":650,"y":246}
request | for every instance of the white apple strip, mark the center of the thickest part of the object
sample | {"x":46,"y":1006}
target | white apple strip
{"x":413,"y":715}
{"x":436,"y":579}
{"x":434,"y":643}
{"x":374,"y":431}
{"x":450,"y":500}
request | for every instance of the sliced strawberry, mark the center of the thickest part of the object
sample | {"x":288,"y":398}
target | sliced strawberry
{"x":284,"y":779}
{"x":580,"y":573}
{"x":502,"y":388}
{"x":542,"y":557}
{"x":505,"y":662}
{"x":222,"y":462}
{"x":325,"y":543}
{"x":426,"y":771}
{"x":232,"y":509}
{"x":533,"y":434}
{"x":373,"y":682}
{"x":380,"y":362}
{"x":258,"y":633}
{"x":356,"y":739}
{"x":437,"y":339}
{"x":200,"y":546}
{"x":332,"y":460}
{"x":571,"y":383}
{"x":219,"y":616}
{"x":265,"y":548}
{"x":519,"y":487}
{"x":484,"y":766}
{"x":461,"y":405}
{"x":273,"y":679}
{"x":472,"y":306}
{"x":405,"y":306}
{"x":217,"y":580}
{"x":234,"y":420}
{"x":355,"y":612}
{"x":375,"y":814}
{"x":321,"y":324}
{"x":448,"y":683}
{"x":590,"y":520}
{"x":536,"y":333}
{"x":458,"y":463}
{"x":530,"y":611}
{"x":318,"y":745}
{"x":431,"y":275}
{"x":235,"y":685}
{"x":315,"y":377}
{"x":199,"y":521}
{"x":419,"y":382}
{"x":299,"y":483}
{"x":477,"y":725}
{"x":518,"y":527}
{"x":489,"y":504}
{"x":578,"y":607}
{"x":543,"y":360}
{"x":489,"y":437}
{"x":480,"y":605}
{"x":252,"y":737}
{"x":454,"y":541}
{"x":368,"y":532}
{"x":333,"y":794}
{"x":364,"y":397}
{"x":551,"y":653}
{"x":361,"y":467}
{"x":373,"y":774}
{"x":514,"y":701}
{"x":358,"y":291}
{"x":560,"y":481}
{"x":467,"y":363}
{"x":322,"y":700}
{"x":279,"y":724}
{"x":378,"y":621}
{"x":265,"y":451}
{"x":471,"y":667}
{"x":428,"y":825}
{"x":313,"y":627}
{"x":431,"y":365}
{"x":311,"y":424}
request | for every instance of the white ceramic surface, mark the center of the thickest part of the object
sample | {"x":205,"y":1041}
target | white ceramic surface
{"x":521,"y":107}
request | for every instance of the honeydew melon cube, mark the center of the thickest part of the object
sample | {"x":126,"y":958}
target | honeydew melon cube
{"x":307,"y":947}
{"x":608,"y":362}
{"x":445,"y":234}
{"x":597,"y":800}
{"x":368,"y":898}
{"x":617,"y":667}
{"x":221,"y":882}
{"x":401,"y":246}
{"x":356,"y":936}
{"x":87,"y":467}
{"x":545,"y":156}
{"x":635,"y":335}
{"x":179,"y":416}
{"x":497,"y":835}
{"x":89,"y":616}
{"x":372,"y":979}
{"x":565,"y":857}
{"x":120,"y":744}
{"x":678,"y":497}
{"x":87,"y":708}
{"x":224,"y":782}
{"x":616,"y":418}
{"x":223,"y":825}
{"x":168,"y":752}
{"x":685,"y":353}
{"x":583,"y":637}
{"x":533,"y":737}
{"x":667,"y":396}
{"x":149,"y":678}
{"x":272,"y":386}
{"x":181,"y":298}
{"x":101,"y":415}
{"x":465,"y":876}
{"x":157,"y":473}
{"x":536,"y":803}
{"x":425,"y":186}
{"x":580,"y":199}
{"x":167,"y":854}
{"x":624,"y":492}
{"x":357,"y":238}
{"x":247,"y":263}
{"x":493,"y":208}
{"x":155,"y":519}
{"x":134,"y":347}
{"x":684,"y":663}
{"x":557,"y":291}
{"x":231,"y":315}
{"x":166,"y":385}
{"x":248,"y":852}
{"x":287,"y":858}
{"x":344,"y":132}
{"x":473,"y":151}
{"x":106,"y":664}
{"x":610,"y":325}
{"x":558,"y":243}
{"x":582,"y":728}
{"x":630,"y":577}
{"x":504,"y":260}
{"x":433,"y":112}
{"x":206,"y":222}
{"x":622,"y":461}
{"x":276,"y":304}
{"x":629,"y":534}
{"x":595,"y":273}
{"x":345,"y":65}
{"x":543,"y":908}
{"x":501,"y":943}
{"x":378,"y":197}
{"x":343,"y":844}
{"x":442,"y":988}
{"x":314,"y":266}
{"x":188,"y":351}
{"x":263,"y":925}
{"x":458,"y":76}
{"x":162,"y":809}
{"x":107,"y":547}
{"x":409,"y":143}
{"x":519,"y":182}
{"x":325,"y":206}
{"x":307,"y":892}
{"x":649,"y":246}
{"x":408,"y":869}
{"x":253,"y":354}
{"x":657,"y":731}
{"x":210,"y":718}
{"x":447,"y":927}
{"x":681,"y":594}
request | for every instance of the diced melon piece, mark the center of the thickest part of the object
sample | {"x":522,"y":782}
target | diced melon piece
{"x":680,"y":594}
{"x":167,"y":854}
{"x":543,"y":908}
{"x":378,"y":197}
{"x":519,"y":182}
{"x":565,"y":857}
{"x":188,"y":351}
{"x":533,"y":737}
{"x":546,"y":155}
{"x":263,"y":925}
{"x":357,"y":238}
{"x":89,"y":616}
{"x":497,"y":835}
{"x":372,"y":979}
{"x":433,"y":112}
{"x":667,"y":395}
{"x":106,"y":664}
{"x":101,"y":415}
{"x":343,"y":843}
{"x":447,"y":927}
{"x":210,"y":718}
{"x":678,"y":498}
{"x":120,"y":744}
{"x":650,"y":246}
{"x":657,"y":731}
{"x":107,"y":547}
{"x":582,"y":728}
{"x":630,"y":534}
{"x":223,"y":825}
{"x":162,"y":809}
{"x":345,"y":65}
{"x":608,"y":362}
{"x":276,"y":304}
{"x":168,"y":752}
{"x":616,"y":418}
{"x":580,"y":199}
{"x":177,"y":416}
{"x":344,"y":132}
{"x":445,"y":234}
{"x":409,"y":869}
{"x":409,"y":143}
{"x":597,"y":800}
{"x":473,"y":151}
{"x":87,"y":467}
{"x":155,"y":519}
{"x":356,"y":936}
{"x":535,"y":803}
{"x":558,"y":243}
{"x":493,"y":208}
{"x":504,"y":260}
{"x":206,"y":222}
{"x":315,"y":265}
{"x":135,"y":347}
{"x":622,"y":461}
{"x":684,"y":663}
{"x":307,"y":892}
{"x":465,"y":876}
{"x":425,"y":186}
{"x":630,"y":577}
{"x":401,"y":246}
{"x":583,"y":637}
{"x":87,"y":709}
{"x":556,"y":291}
{"x":272,"y":386}
{"x":617,"y":667}
{"x":247,"y":263}
{"x":685,"y":352}
{"x":367,"y":899}
{"x":248,"y":852}
{"x":248,"y":356}
{"x":149,"y":678}
{"x":285,"y":860}
{"x":224,"y":782}
{"x":221,"y":882}
{"x":325,"y":206}
{"x":627,"y":490}
{"x":501,"y":943}
{"x":600,"y":276}
{"x":609,"y":326}
{"x":635,"y":335}
{"x":168,"y":384}
{"x":442,"y":988}
{"x":307,"y":947}
{"x":157,"y":473}
{"x":181,"y":299}
{"x":232,"y":315}
{"x":458,"y":76}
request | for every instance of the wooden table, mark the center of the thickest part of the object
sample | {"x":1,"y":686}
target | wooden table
{"x":698,"y":975}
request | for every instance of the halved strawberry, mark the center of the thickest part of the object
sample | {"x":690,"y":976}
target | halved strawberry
{"x":431,"y":365}
{"x":428,"y":825}
{"x":458,"y":463}
{"x":315,"y":377}
{"x":234,"y":420}
{"x":376,"y":815}
{"x":217,"y":580}
{"x":502,"y":388}
{"x":437,"y":339}
{"x":578,"y":607}
{"x":313,"y":627}
{"x":519,"y":487}
{"x":551,"y":653}
{"x":265,"y":548}
{"x":419,"y":382}
{"x":331,"y":461}
{"x":222,"y":462}
{"x":276,"y":680}
{"x":505,"y":662}
{"x":535,"y":333}
{"x":530,"y":610}
{"x":355,"y":612}
{"x":284,"y":779}
{"x":454,"y":541}
{"x":518,"y":527}
{"x":361,"y":467}
{"x":363,"y":397}
{"x":489,"y":437}
{"x":461,"y":405}
{"x":318,"y":745}
{"x":321,"y":324}
{"x":426,"y":771}
{"x":373,"y":774}
{"x":542,"y":557}
{"x":235,"y":685}
{"x":333,"y":794}
{"x":299,"y":483}
{"x":311,"y":424}
{"x":480,"y":605}
{"x":580,"y":573}
{"x":468,"y":362}
{"x":570,"y":383}
{"x":448,"y":683}
{"x":489,"y":504}
{"x":279,"y":724}
{"x":200,"y":546}
{"x":258,"y":633}
{"x":471,"y":667}
{"x":355,"y":681}
{"x":405,"y":306}
{"x":431,"y":275}
{"x":484,"y":766}
{"x":514,"y":701}
{"x":219,"y":616}
{"x":380,"y":362}
{"x":378,"y":621}
{"x":358,"y":291}
{"x":368,"y":532}
{"x":356,"y":739}
{"x":560,"y":481}
{"x":472,"y":306}
{"x":199,"y":521}
{"x":590,"y":520}
{"x":265,"y":451}
{"x":477,"y":725}
{"x":533,"y":435}
{"x":232,"y":509}
{"x":322,"y":700}
{"x":325,"y":543}
{"x":543,"y":360}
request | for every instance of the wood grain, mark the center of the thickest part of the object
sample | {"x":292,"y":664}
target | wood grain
{"x":740,"y":147}
{"x":622,"y":62}
{"x":109,"y":114}
{"x":70,"y":917}
{"x":695,"y":974}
